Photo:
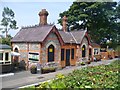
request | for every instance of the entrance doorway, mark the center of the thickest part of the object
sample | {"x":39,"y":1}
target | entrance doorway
{"x":67,"y":57}
{"x":83,"y":51}
{"x":50,"y":53}
{"x":16,"y":58}
{"x":16,"y":61}
{"x":90,"y":52}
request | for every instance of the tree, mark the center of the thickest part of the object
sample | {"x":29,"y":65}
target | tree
{"x":118,"y":50}
{"x":98,"y":17}
{"x":118,"y":22}
{"x":8,"y":21}
{"x":7,"y":40}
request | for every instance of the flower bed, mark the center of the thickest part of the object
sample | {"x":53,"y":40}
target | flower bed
{"x":48,"y":67}
{"x":103,"y":76}
{"x":82,"y":63}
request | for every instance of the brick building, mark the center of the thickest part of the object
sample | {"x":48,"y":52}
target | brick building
{"x":45,"y":43}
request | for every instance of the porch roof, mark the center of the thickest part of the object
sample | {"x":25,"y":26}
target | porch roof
{"x":73,"y":36}
{"x":4,"y":46}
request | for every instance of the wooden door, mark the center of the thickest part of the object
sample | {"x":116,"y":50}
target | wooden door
{"x":67,"y":57}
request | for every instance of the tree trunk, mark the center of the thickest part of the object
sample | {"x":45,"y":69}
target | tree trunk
{"x":6,"y":33}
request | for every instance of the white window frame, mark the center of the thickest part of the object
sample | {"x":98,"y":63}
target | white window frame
{"x":2,"y":57}
{"x":9,"y":57}
{"x":96,"y":51}
{"x":36,"y":56}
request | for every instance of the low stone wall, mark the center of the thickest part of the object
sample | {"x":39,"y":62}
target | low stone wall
{"x":6,"y":68}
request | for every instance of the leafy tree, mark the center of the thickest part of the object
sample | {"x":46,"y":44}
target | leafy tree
{"x":8,"y":21}
{"x":118,"y":23}
{"x":118,"y":50}
{"x":98,"y":17}
{"x":7,"y":40}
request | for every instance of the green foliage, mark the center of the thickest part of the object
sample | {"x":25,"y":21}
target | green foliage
{"x":30,"y":88}
{"x":117,"y":48}
{"x":103,"y":76}
{"x":8,"y":21}
{"x":82,"y":63}
{"x":6,"y":40}
{"x":60,"y":76}
{"x":100,"y":18}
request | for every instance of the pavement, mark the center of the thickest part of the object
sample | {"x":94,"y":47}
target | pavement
{"x":21,"y":79}
{"x":5,"y":75}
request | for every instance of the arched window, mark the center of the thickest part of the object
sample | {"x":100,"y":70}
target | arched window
{"x":83,"y":51}
{"x":51,"y":53}
{"x":16,"y":50}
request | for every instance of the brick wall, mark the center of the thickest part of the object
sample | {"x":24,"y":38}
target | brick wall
{"x":34,"y":47}
{"x":22,"y":49}
{"x":25,"y":48}
{"x":84,"y":42}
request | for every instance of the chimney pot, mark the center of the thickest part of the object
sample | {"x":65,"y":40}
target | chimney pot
{"x":43,"y":17}
{"x":64,"y":23}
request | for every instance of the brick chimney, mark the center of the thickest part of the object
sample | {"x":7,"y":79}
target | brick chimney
{"x":43,"y":17}
{"x":64,"y":23}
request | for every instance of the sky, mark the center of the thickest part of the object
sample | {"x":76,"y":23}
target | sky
{"x":26,"y":11}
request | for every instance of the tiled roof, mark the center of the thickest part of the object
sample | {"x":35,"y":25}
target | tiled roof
{"x":79,"y":35}
{"x":67,"y":37}
{"x":39,"y":33}
{"x":95,"y":44}
{"x":32,"y":34}
{"x":73,"y":36}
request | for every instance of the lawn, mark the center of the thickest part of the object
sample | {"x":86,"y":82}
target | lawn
{"x":103,"y":76}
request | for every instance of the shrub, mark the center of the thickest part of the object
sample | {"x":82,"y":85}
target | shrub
{"x":33,"y":69}
{"x":82,"y":63}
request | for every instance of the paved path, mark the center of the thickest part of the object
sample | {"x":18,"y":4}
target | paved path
{"x":26,"y":78}
{"x":5,"y":75}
